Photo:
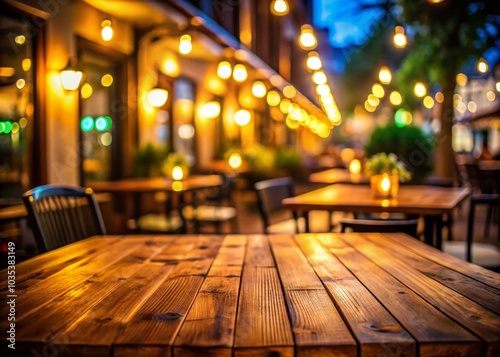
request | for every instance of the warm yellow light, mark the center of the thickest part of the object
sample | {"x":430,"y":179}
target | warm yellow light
{"x":20,"y":83}
{"x":224,"y":70}
{"x":497,"y":86}
{"x":20,"y":40}
{"x":279,"y":7}
{"x":384,"y":75}
{"x":242,"y":117}
{"x":185,"y":45}
{"x":378,"y":91}
{"x":482,"y":65}
{"x":240,"y":72}
{"x":491,"y":96}
{"x":374,"y":101}
{"x":7,"y":71}
{"x":170,"y":67}
{"x":26,"y":64}
{"x":286,"y":106}
{"x":107,"y":33}
{"x":211,"y":110}
{"x":420,"y":90}
{"x":399,"y":39}
{"x":439,"y":97}
{"x":157,"y":97}
{"x":461,"y":79}
{"x":23,"y":122}
{"x":319,"y":77}
{"x":307,"y":40}
{"x":355,"y":166}
{"x":435,"y":1}
{"x":428,"y":102}
{"x":369,"y":108}
{"x":313,"y":61}
{"x":273,"y":98}
{"x":259,"y":89}
{"x":291,"y":123}
{"x":472,"y":106}
{"x":107,"y":80}
{"x":86,"y":91}
{"x":385,"y":184}
{"x":177,"y":173}
{"x":235,"y":161}
{"x":326,"y":99}
{"x":323,"y":89}
{"x":289,"y":91}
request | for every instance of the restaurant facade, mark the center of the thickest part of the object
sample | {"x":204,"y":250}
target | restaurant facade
{"x":198,"y":78}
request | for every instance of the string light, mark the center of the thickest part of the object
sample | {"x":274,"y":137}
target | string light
{"x":279,"y":7}
{"x":185,"y":45}
{"x":400,"y":39}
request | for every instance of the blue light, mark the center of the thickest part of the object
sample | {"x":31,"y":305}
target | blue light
{"x":87,"y":123}
{"x":101,"y":123}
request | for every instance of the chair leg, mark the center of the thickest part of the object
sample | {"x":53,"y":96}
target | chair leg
{"x":470,"y":231}
{"x":487,"y":223}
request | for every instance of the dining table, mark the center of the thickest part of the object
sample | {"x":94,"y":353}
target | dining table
{"x":338,"y":175}
{"x":324,"y":294}
{"x":430,"y":202}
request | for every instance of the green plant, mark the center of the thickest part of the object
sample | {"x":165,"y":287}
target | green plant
{"x":386,"y":164}
{"x":148,"y":160}
{"x":175,"y":159}
{"x":409,"y":144}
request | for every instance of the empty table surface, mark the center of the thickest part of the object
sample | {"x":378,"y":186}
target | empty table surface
{"x":308,"y":294}
{"x":337,"y":176}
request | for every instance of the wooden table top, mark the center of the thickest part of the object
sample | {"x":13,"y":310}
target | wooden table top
{"x":192,"y":182}
{"x":337,"y":176}
{"x":309,"y":294}
{"x":423,"y":200}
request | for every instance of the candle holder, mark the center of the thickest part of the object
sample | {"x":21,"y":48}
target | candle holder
{"x":384,"y":185}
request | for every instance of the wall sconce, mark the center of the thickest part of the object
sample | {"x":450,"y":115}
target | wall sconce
{"x":72,"y":75}
{"x":157,"y":97}
{"x":107,"y":30}
{"x":211,"y":110}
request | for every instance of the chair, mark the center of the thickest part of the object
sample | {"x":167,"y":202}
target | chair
{"x":214,"y":208}
{"x":276,"y":219}
{"x":492,"y":200}
{"x":60,"y":215}
{"x":408,"y":226}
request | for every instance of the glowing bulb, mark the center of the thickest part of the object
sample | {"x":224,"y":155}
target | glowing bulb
{"x":482,"y":65}
{"x":279,"y":7}
{"x":273,"y":98}
{"x":439,"y":97}
{"x":307,"y":40}
{"x":378,"y":90}
{"x":313,"y":62}
{"x":242,"y":117}
{"x":26,"y":64}
{"x":107,"y":33}
{"x":400,"y":39}
{"x":428,"y":102}
{"x":240,"y":73}
{"x":224,"y":70}
{"x":177,"y":173}
{"x":20,"y":83}
{"x":420,"y":90}
{"x":211,"y":110}
{"x":157,"y":97}
{"x":355,"y":166}
{"x":86,"y":91}
{"x":289,"y":91}
{"x":385,"y":75}
{"x":235,"y":161}
{"x":185,"y":45}
{"x":319,"y":77}
{"x":259,"y":89}
{"x":107,"y":80}
{"x":385,"y":184}
{"x":461,"y":79}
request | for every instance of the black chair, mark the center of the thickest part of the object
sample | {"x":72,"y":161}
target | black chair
{"x":493,"y":202}
{"x":60,"y":215}
{"x":408,"y":226}
{"x":276,"y":219}
{"x":212,"y":207}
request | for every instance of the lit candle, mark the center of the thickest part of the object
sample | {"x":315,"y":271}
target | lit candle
{"x":177,"y":173}
{"x":385,"y":185}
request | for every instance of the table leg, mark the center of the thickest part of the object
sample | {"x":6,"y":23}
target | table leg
{"x":429,"y":227}
{"x":306,"y":219}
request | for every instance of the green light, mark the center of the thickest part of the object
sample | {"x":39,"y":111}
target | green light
{"x":101,"y":123}
{"x":2,"y":126}
{"x":8,"y":127}
{"x":109,"y":121}
{"x":399,"y":118}
{"x":87,"y":123}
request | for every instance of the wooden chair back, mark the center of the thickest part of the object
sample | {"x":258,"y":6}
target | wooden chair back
{"x":60,"y":215}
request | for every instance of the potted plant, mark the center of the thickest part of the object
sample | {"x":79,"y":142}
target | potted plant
{"x":176,"y":166}
{"x":148,"y":160}
{"x":385,"y":172}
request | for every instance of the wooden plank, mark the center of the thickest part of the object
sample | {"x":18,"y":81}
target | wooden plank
{"x":209,"y":326}
{"x":262,"y":324}
{"x":58,"y":259}
{"x":98,"y":327}
{"x":471,"y":270}
{"x":62,"y":312}
{"x":316,"y":323}
{"x":483,"y":294}
{"x":375,"y":329}
{"x":432,"y":329}
{"x":464,"y":311}
{"x":157,"y":322}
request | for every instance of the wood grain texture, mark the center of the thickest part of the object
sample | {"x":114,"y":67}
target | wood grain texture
{"x":209,"y":326}
{"x":262,"y":325}
{"x":315,"y":321}
{"x":430,"y":327}
{"x":478,"y":319}
{"x":374,"y":327}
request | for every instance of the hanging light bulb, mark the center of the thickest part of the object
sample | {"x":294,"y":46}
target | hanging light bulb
{"x":385,"y":75}
{"x":157,"y":97}
{"x":482,"y":65}
{"x":400,"y":39}
{"x":259,"y":89}
{"x":319,"y":77}
{"x":211,"y":110}
{"x":240,"y":72}
{"x":107,"y":30}
{"x":313,"y":61}
{"x":279,"y":7}
{"x":185,"y":45}
{"x":420,"y":90}
{"x":72,"y":75}
{"x":224,"y":70}
{"x":307,"y":40}
{"x":242,"y":117}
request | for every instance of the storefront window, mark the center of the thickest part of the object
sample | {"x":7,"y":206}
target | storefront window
{"x":183,"y":119}
{"x":16,"y":99}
